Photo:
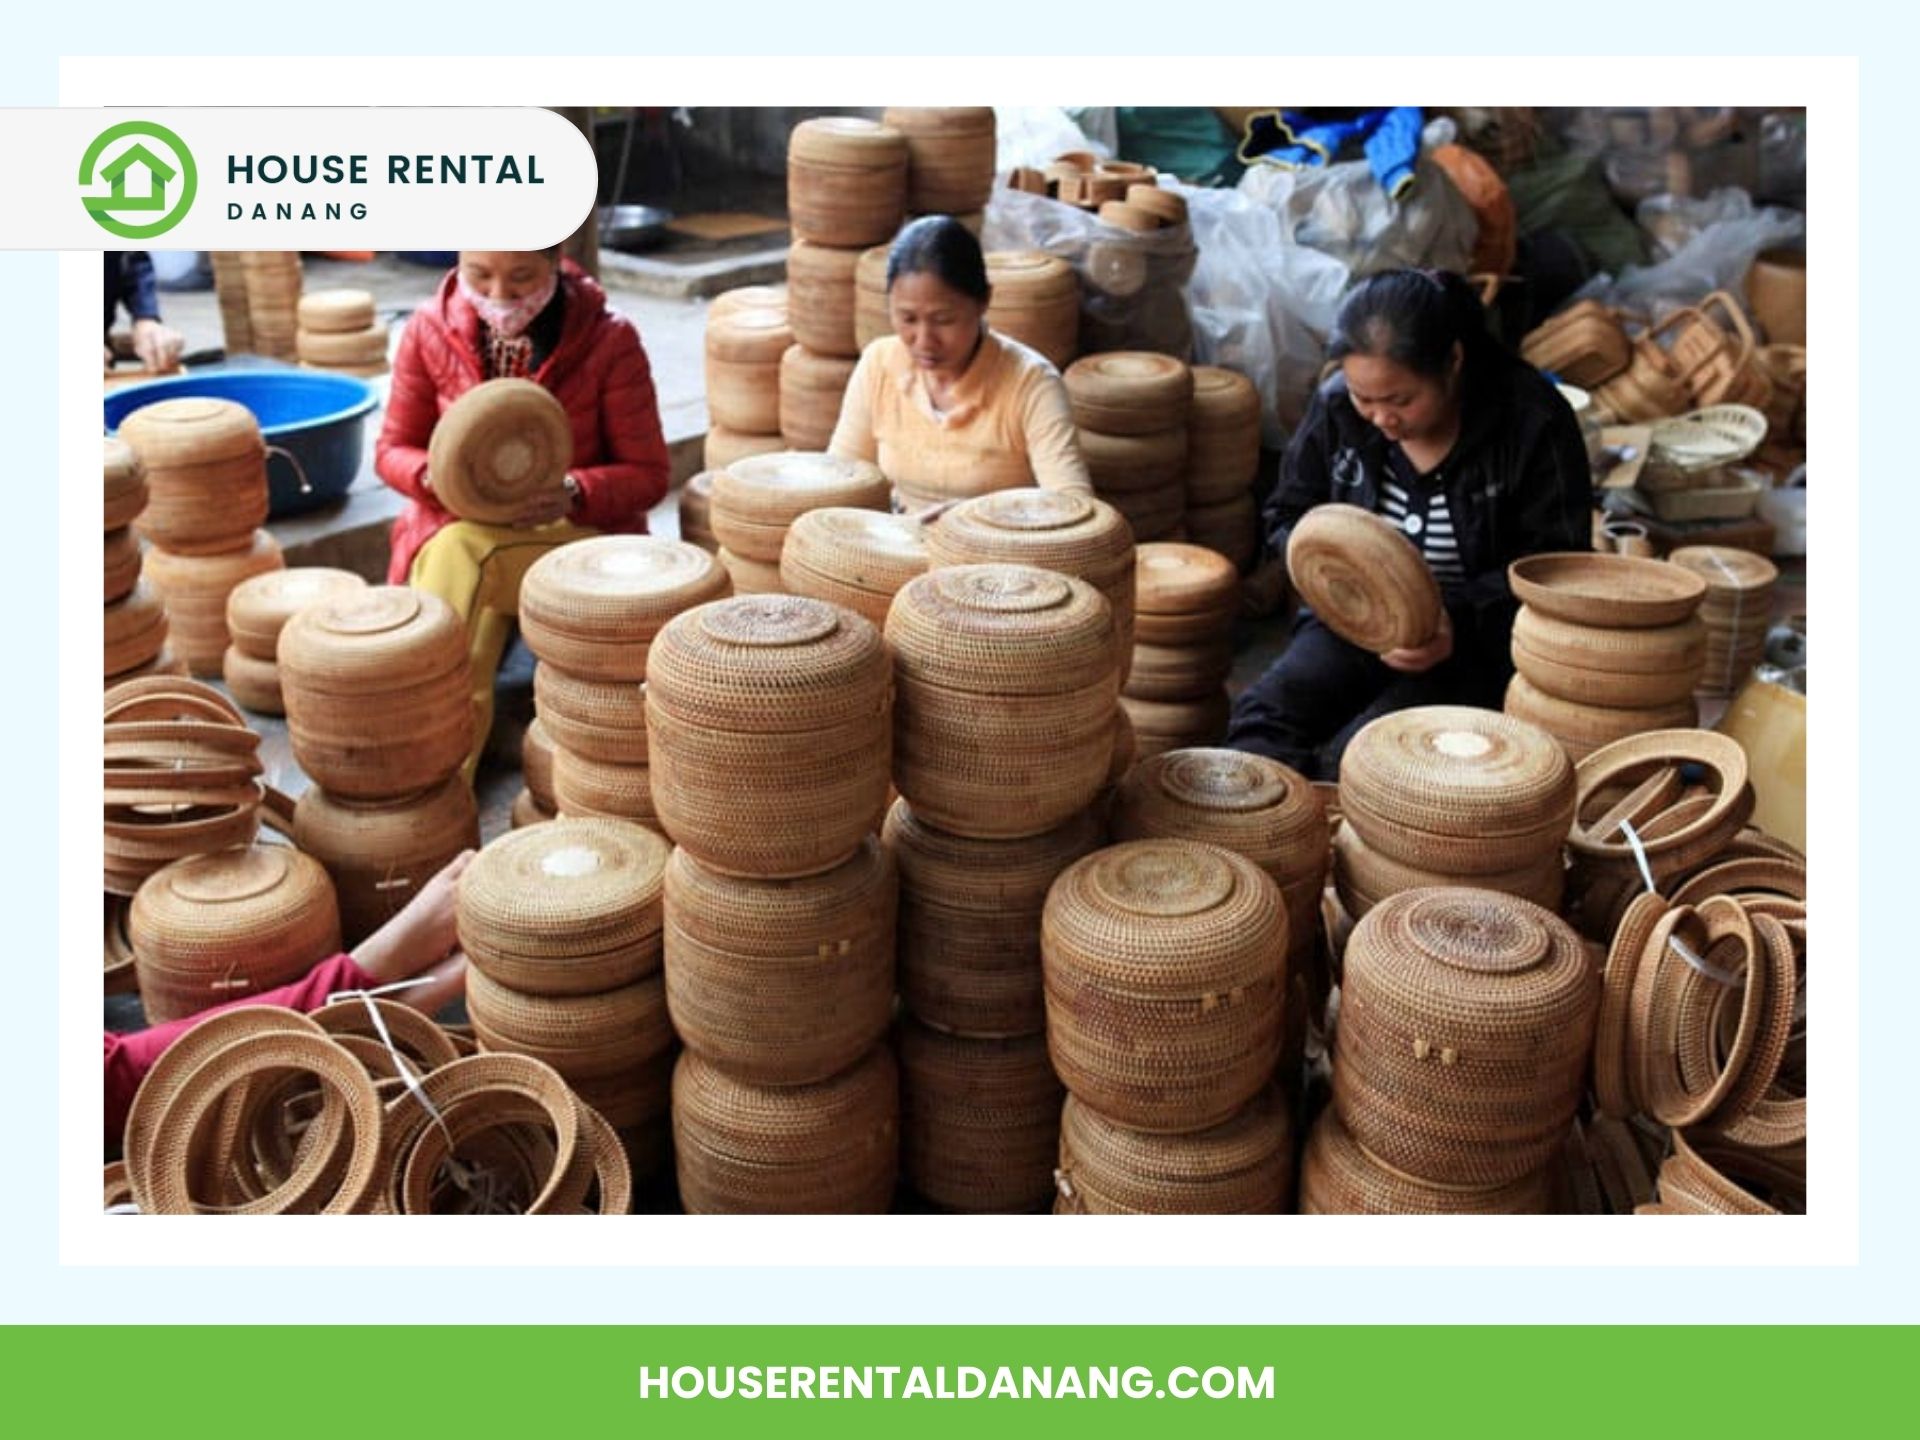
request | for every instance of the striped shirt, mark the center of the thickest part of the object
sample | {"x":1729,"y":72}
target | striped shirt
{"x":1429,"y":527}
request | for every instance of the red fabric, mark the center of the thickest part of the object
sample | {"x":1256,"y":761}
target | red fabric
{"x":597,"y":370}
{"x":130,"y":1056}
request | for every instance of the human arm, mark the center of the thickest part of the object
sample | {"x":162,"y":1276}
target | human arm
{"x":1053,"y":441}
{"x":413,"y":407}
{"x":853,"y":437}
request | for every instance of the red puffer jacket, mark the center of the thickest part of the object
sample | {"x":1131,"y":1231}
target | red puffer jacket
{"x":598,"y":372}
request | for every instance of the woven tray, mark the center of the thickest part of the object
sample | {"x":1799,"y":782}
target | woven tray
{"x":1363,"y":578}
{"x":498,"y":450}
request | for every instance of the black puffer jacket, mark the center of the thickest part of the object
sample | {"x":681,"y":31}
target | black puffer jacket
{"x":1518,"y":481}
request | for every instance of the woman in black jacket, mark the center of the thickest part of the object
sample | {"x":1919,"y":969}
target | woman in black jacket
{"x":1478,"y":460}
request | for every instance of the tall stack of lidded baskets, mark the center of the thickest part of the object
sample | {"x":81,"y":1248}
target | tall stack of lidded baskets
{"x":1185,"y":601}
{"x":230,"y":288}
{"x":1131,"y":407}
{"x":1223,"y":461}
{"x":339,"y":330}
{"x":273,"y":280}
{"x":950,"y":159}
{"x":1006,"y":680}
{"x":381,"y":719}
{"x":1466,"y":1029}
{"x":257,"y":611}
{"x":748,"y":331}
{"x":136,"y":618}
{"x":562,"y":925}
{"x":769,"y":728}
{"x":589,"y":612}
{"x":205,"y":468}
{"x":1166,"y":978}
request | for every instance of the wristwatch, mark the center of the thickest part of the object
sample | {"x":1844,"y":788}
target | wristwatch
{"x":573,"y":492}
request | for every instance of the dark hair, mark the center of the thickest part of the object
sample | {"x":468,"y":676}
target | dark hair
{"x":1413,"y":317}
{"x":940,"y":246}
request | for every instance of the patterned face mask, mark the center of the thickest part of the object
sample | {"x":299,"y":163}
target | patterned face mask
{"x":509,"y":319}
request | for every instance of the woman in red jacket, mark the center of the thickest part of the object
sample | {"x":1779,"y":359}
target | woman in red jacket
{"x":524,"y":313}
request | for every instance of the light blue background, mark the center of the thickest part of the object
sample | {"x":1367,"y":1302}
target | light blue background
{"x":1882,"y":1287}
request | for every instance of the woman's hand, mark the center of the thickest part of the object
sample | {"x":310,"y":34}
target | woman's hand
{"x":158,"y":346}
{"x":1417,"y":659}
{"x":420,"y":942}
{"x":543,"y":511}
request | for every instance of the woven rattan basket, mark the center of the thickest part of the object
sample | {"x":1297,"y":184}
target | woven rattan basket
{"x":195,"y":590}
{"x":375,"y":685}
{"x":846,"y":180}
{"x":199,"y":430}
{"x":259,"y":608}
{"x":379,"y":853}
{"x":1223,"y":436}
{"x":567,"y":908}
{"x":1363,"y":578}
{"x":1628,"y":668}
{"x":812,"y":387}
{"x":1165,"y":966}
{"x":871,"y":320}
{"x":696,"y":512}
{"x":725,"y":447}
{"x":852,"y":557}
{"x":751,"y":577}
{"x":756,"y":499}
{"x":820,"y":297}
{"x":136,"y":629}
{"x":1457,"y":790}
{"x":743,"y":350}
{"x":782,"y":698}
{"x":1364,"y":877}
{"x":1180,"y":672}
{"x":1035,"y":300}
{"x":1129,"y":392}
{"x":588,"y":789}
{"x":969,"y":932}
{"x":604,"y":720}
{"x":125,"y":484}
{"x":585,"y":1037}
{"x":1338,"y":1177}
{"x":118,"y":969}
{"x":979,"y":1120}
{"x":222,"y":927}
{"x":335,"y":312}
{"x":1184,"y":594}
{"x":950,"y":156}
{"x":781,"y":982}
{"x":1582,"y":729}
{"x":1144,"y":470}
{"x":797,"y":1149}
{"x":1006,"y":677}
{"x":1737,"y":611}
{"x":592,"y":608}
{"x":253,"y":683}
{"x":120,"y":564}
{"x":1163,"y":725}
{"x":1051,"y":529}
{"x":1242,"y":1166}
{"x":1466,"y":1028}
{"x":501,"y":448}
{"x":1617,"y":591}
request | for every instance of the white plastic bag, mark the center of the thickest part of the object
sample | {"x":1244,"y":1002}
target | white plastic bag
{"x":1032,"y":135}
{"x":1716,"y":257}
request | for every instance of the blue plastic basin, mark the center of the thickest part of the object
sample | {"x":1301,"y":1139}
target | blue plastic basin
{"x":317,"y":420}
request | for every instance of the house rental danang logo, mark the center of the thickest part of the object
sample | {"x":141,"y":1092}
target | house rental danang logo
{"x":148,"y":175}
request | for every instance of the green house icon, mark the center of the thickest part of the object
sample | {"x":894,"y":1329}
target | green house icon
{"x":159,"y":175}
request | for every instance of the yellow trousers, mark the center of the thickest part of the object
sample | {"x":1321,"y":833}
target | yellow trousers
{"x":477,"y":569}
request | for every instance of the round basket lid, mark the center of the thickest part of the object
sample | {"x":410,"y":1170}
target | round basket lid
{"x":1165,"y":917}
{"x":372,"y":640}
{"x":1027,"y":277}
{"x":1224,"y":397}
{"x":336,"y":310}
{"x":768,"y":664}
{"x":585,"y":885}
{"x":1129,"y":391}
{"x":1054,"y":529}
{"x":195,"y":430}
{"x":231,"y":894}
{"x":620,"y":586}
{"x":1363,"y":578}
{"x":259,"y":606}
{"x":866,"y":549}
{"x":775,"y":489}
{"x":501,"y":446}
{"x":1433,"y":948}
{"x":847,"y":140}
{"x":753,"y":333}
{"x":1624,"y":591}
{"x":1118,"y":373}
{"x":122,"y":469}
{"x":1003,"y":629}
{"x":1175,"y":579}
{"x":1458,"y":772}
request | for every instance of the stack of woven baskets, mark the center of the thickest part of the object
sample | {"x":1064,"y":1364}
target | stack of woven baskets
{"x":748,"y":333}
{"x":1166,"y":975}
{"x":1604,"y":646}
{"x":340,"y":331}
{"x":696,"y":512}
{"x":852,"y":557}
{"x":950,"y":159}
{"x":223,"y":926}
{"x":136,"y":618}
{"x":589,"y":612}
{"x":1131,"y":407}
{"x":1737,"y":611}
{"x":1223,"y":461}
{"x":273,"y":301}
{"x":205,"y":467}
{"x":257,"y":611}
{"x":1035,"y":300}
{"x":757,"y":498}
{"x":1258,"y":808}
{"x":1185,"y":600}
{"x":230,"y":288}
{"x":182,"y":777}
{"x":1466,"y":1027}
{"x":562,"y":923}
{"x":1449,"y":795}
{"x":381,"y":719}
{"x":536,"y":801}
{"x":779,"y":913}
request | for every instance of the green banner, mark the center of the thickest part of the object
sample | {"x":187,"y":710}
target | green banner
{"x":982,"y":1382}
